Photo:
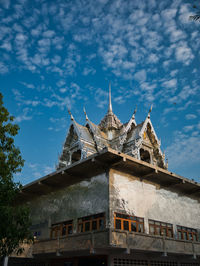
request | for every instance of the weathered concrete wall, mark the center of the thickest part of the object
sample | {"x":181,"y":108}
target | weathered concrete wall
{"x":85,"y":198}
{"x":85,"y":241}
{"x":147,"y":200}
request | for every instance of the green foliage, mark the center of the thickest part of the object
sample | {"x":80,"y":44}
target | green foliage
{"x":14,"y":219}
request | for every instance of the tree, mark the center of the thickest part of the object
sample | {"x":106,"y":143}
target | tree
{"x":14,"y":219}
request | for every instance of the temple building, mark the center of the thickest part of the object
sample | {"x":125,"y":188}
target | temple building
{"x":139,"y":141}
{"x":112,"y":201}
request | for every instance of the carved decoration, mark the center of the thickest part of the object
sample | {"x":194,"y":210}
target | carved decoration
{"x":129,"y":138}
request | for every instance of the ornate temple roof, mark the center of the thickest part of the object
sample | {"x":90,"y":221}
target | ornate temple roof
{"x":139,"y":141}
{"x":109,"y":122}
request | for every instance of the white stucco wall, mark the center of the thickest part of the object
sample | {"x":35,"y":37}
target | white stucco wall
{"x":85,"y":198}
{"x":150,"y":202}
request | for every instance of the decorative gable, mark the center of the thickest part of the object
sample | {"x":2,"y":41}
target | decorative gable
{"x":150,"y":145}
{"x":146,"y":138}
{"x":70,"y":142}
{"x":139,"y":141}
{"x":78,"y":144}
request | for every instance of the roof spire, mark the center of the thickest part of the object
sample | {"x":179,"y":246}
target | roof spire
{"x":86,"y":117}
{"x":71,"y":116}
{"x":110,"y":103}
{"x":135,"y":111}
{"x":150,"y":111}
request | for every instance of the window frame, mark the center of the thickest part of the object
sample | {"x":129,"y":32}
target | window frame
{"x":57,"y":229}
{"x":159,"y":227}
{"x":188,"y":230}
{"x":90,"y":219}
{"x":130,"y":219}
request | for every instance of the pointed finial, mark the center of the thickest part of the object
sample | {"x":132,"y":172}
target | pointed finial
{"x":150,"y":110}
{"x":166,"y":164}
{"x":71,"y":116}
{"x":110,"y":103}
{"x":135,"y":111}
{"x":86,"y":117}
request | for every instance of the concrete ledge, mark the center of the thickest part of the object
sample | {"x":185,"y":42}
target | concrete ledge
{"x":152,"y":243}
{"x":115,"y":239}
{"x":82,"y":241}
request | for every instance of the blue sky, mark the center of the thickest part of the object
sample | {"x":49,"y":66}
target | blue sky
{"x":59,"y":54}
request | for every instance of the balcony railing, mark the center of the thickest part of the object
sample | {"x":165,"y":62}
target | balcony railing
{"x":113,"y":239}
{"x":146,"y":242}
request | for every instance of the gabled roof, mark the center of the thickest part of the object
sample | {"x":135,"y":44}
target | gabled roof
{"x":144,"y":128}
{"x":136,"y":132}
{"x":110,"y":121}
{"x":128,"y":137}
{"x":83,"y":132}
{"x":99,"y":137}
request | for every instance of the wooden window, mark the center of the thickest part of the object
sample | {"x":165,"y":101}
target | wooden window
{"x":186,"y":233}
{"x":61,"y":229}
{"x":160,"y":228}
{"x":91,"y":223}
{"x":129,"y":223}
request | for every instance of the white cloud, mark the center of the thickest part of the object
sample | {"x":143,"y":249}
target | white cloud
{"x":152,"y":40}
{"x":184,"y":54}
{"x":186,"y":92}
{"x":56,"y":59}
{"x":177,"y":35}
{"x":174,"y":72}
{"x":153,"y":59}
{"x":48,"y":34}
{"x":4,"y":31}
{"x":32,"y":102}
{"x":61,"y":82}
{"x":58,"y":42}
{"x":140,"y":76}
{"x":5,"y":3}
{"x":88,"y":70}
{"x":172,"y":83}
{"x":36,"y":31}
{"x":183,"y":146}
{"x":168,"y":110}
{"x":168,"y":14}
{"x":62,"y":90}
{"x":48,"y":169}
{"x":101,"y":97}
{"x":18,"y":28}
{"x":185,"y":12}
{"x":20,"y":38}
{"x":7,"y":46}
{"x":39,"y":170}
{"x":188,"y":128}
{"x":24,"y":116}
{"x":36,"y":59}
{"x":3,"y":68}
{"x":59,"y":123}
{"x":28,"y":85}
{"x":120,"y":99}
{"x":190,"y":116}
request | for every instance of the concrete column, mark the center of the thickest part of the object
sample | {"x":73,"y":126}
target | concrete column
{"x":5,"y":261}
{"x":110,"y":260}
{"x":146,"y":225}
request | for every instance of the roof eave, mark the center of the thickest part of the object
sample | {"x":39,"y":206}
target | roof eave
{"x":98,"y":163}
